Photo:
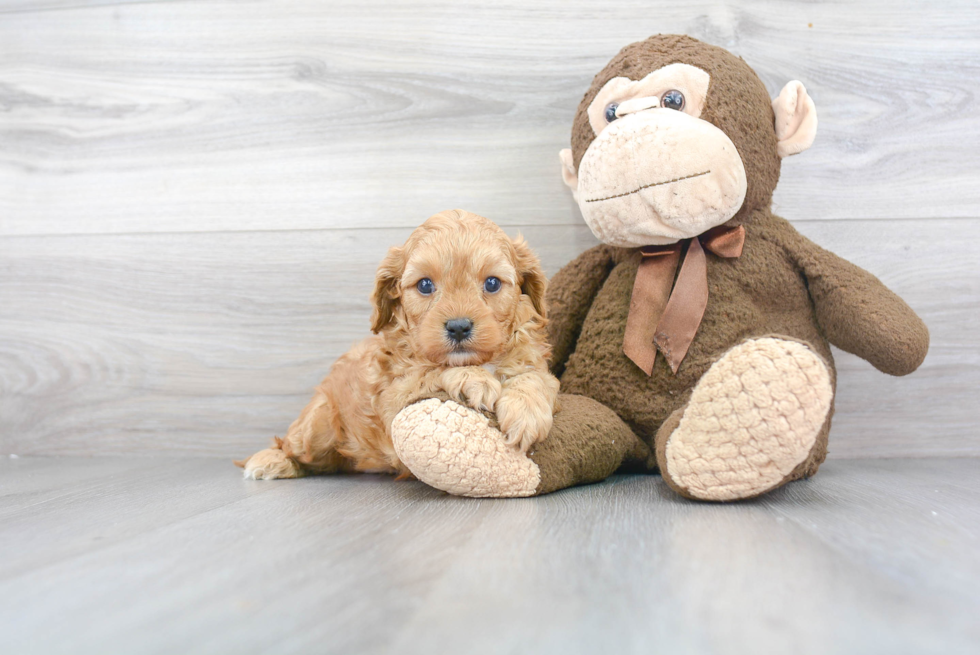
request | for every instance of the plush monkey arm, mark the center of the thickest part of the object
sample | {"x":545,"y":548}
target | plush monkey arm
{"x":570,"y":295}
{"x":861,"y":315}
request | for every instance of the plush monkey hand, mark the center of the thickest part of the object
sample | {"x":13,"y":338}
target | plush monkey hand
{"x":859,"y":314}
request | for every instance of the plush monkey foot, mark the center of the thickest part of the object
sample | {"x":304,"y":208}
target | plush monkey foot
{"x":454,"y":448}
{"x":752,"y":419}
{"x":459,"y":450}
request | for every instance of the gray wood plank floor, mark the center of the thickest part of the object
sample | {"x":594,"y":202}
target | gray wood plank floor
{"x":167,"y":555}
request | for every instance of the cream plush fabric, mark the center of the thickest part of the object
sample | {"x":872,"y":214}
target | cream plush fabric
{"x":460,"y":451}
{"x":752,"y":419}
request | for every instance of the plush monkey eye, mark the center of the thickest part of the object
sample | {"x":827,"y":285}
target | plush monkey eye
{"x":491,"y":285}
{"x":611,"y":112}
{"x":673,"y":99}
{"x":425,"y":286}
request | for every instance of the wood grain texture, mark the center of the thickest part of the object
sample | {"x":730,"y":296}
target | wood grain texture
{"x":194,"y":196}
{"x":212,"y":343}
{"x":160,"y":117}
{"x":182,"y":555}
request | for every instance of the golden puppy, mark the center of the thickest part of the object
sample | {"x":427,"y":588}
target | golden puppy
{"x":459,"y":308}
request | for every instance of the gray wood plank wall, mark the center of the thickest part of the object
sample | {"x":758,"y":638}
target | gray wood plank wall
{"x":194,"y":195}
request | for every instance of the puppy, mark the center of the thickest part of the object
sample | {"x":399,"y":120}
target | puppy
{"x":459,"y":308}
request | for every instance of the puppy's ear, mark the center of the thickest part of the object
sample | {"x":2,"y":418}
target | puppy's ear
{"x":387,"y":288}
{"x":532,"y":277}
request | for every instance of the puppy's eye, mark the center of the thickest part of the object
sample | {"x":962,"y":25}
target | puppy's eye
{"x":673,"y":99}
{"x":491,"y":285}
{"x":425,"y":286}
{"x":611,"y":112}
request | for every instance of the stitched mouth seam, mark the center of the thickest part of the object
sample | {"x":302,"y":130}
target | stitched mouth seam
{"x":647,"y":186}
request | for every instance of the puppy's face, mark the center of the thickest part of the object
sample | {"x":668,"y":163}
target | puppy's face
{"x":458,"y":289}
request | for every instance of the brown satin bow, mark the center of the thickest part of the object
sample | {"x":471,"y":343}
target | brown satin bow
{"x":668,"y":320}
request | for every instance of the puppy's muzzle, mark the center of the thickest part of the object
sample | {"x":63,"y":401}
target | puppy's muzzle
{"x":459,"y":329}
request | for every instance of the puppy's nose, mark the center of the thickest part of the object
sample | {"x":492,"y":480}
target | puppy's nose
{"x":459,"y":329}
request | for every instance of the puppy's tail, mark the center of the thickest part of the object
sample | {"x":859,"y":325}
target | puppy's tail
{"x":240,"y":463}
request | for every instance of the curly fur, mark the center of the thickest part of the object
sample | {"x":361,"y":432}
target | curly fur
{"x":502,"y":367}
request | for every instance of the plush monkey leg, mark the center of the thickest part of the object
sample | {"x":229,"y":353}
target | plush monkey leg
{"x":756,"y":420}
{"x":459,"y":450}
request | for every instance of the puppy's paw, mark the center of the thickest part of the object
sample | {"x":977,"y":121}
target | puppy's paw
{"x":270,"y":464}
{"x":524,"y":418}
{"x":473,"y":386}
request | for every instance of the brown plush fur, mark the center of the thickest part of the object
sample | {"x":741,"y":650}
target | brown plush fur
{"x":782,"y":284}
{"x":502,"y":366}
{"x":587,"y":443}
{"x":737,"y":103}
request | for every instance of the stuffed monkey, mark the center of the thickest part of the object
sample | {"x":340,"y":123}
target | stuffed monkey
{"x":695,"y":340}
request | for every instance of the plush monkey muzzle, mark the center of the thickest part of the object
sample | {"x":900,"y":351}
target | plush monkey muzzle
{"x":655,"y":176}
{"x":658,"y":167}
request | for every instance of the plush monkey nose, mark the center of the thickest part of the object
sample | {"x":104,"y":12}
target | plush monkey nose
{"x":637,"y":104}
{"x":459,"y":329}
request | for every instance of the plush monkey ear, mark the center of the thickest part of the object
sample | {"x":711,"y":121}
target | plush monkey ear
{"x":387,"y":288}
{"x":796,"y":119}
{"x":532,"y":277}
{"x":568,"y":170}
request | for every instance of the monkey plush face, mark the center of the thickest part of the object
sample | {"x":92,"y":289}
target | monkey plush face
{"x":676,"y":137}
{"x":656,"y":172}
